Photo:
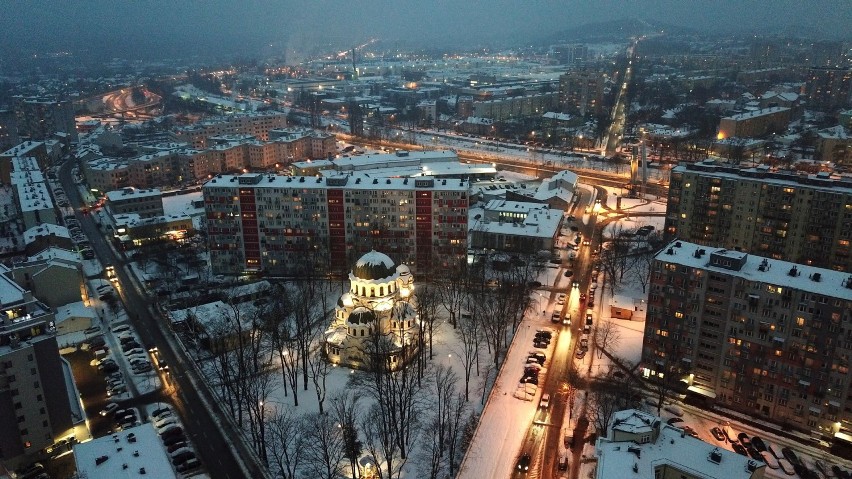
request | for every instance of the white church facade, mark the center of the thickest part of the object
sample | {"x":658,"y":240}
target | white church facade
{"x":376,"y":320}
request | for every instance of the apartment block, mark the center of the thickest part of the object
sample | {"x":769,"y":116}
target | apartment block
{"x":755,"y":123}
{"x":500,"y":109}
{"x":254,"y":124}
{"x":270,"y":223}
{"x":146,"y":203}
{"x":41,"y":118}
{"x":581,"y":91}
{"x":829,"y":88}
{"x":765,"y":337}
{"x":35,"y":404}
{"x":800,"y":218}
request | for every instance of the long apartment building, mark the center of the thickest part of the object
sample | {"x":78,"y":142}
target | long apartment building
{"x":800,"y":218}
{"x":269,"y":223}
{"x":765,"y":337}
{"x":176,"y":164}
{"x":255,"y":124}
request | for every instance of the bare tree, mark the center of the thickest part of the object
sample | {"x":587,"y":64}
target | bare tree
{"x":324,"y":446}
{"x":451,"y":284}
{"x":286,"y":441}
{"x":469,"y":334}
{"x":345,"y":410}
{"x":641,"y":270}
{"x":319,"y":369}
{"x":607,"y":337}
{"x":281,"y":322}
{"x":428,"y":301}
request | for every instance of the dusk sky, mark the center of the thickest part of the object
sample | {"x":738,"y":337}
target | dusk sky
{"x":218,"y":25}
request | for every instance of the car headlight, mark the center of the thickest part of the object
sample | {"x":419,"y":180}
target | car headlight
{"x":526,"y":468}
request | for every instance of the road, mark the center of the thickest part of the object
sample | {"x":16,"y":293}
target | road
{"x":543,"y":437}
{"x":616,"y":128}
{"x":209,"y":435}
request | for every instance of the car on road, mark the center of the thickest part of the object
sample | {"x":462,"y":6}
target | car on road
{"x":589,"y":318}
{"x":581,"y":353}
{"x":544,"y":403}
{"x":717,"y":433}
{"x":584,"y":343}
{"x":523,"y":465}
{"x":567,"y":320}
{"x":582,"y":297}
{"x":560,"y":299}
{"x":109,"y":408}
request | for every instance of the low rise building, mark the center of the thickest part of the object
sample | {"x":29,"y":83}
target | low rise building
{"x":640,"y":446}
{"x":146,"y":203}
{"x":514,"y":226}
{"x":754,"y":123}
{"x":133,"y":452}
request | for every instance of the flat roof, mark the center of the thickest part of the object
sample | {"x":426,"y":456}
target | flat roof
{"x":675,"y":449}
{"x":776,"y":272}
{"x":132,"y":453}
{"x":757,"y":113}
{"x":132,"y":193}
{"x":349,"y":182}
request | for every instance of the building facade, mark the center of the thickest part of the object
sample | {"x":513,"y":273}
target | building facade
{"x":272,"y":224}
{"x":800,"y":218}
{"x":754,"y":334}
{"x":252,"y":124}
{"x":581,"y":92}
{"x":41,"y":118}
{"x":35,"y":406}
{"x":376,"y":320}
{"x":145,"y":203}
{"x":828,"y":88}
{"x":754,"y":123}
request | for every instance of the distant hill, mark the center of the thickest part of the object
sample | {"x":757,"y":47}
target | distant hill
{"x":614,"y":30}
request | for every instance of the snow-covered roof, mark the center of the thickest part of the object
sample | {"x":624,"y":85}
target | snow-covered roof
{"x":773,"y":272}
{"x":132,"y":453}
{"x":552,"y":115}
{"x":673,"y":449}
{"x":757,"y":113}
{"x":129,"y":193}
{"x":374,"y":266}
{"x":633,"y":421}
{"x":45,"y":229}
{"x":10,"y":292}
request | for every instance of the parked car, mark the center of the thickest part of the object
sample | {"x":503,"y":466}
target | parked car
{"x":744,"y":439}
{"x":121,"y":328}
{"x":174,"y":447}
{"x":717,"y":433}
{"x":581,"y":353}
{"x":758,"y":444}
{"x":739,"y":449}
{"x":188,"y":465}
{"x":173,"y":439}
{"x":537,"y":357}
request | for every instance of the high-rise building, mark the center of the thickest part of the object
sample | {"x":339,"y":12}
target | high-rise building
{"x":581,"y":92}
{"x":800,"y":218}
{"x":35,"y":406}
{"x":828,"y":88}
{"x":765,"y":337}
{"x":8,"y":130}
{"x":570,"y":54}
{"x":271,"y":223}
{"x":40,"y":118}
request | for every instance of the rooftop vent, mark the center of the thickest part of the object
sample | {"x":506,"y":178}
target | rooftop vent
{"x":678,"y":245}
{"x":751,"y":466}
{"x":764,"y":265}
{"x":848,"y":282}
{"x":816,"y":277}
{"x":715,"y":456}
{"x":635,"y":450}
{"x":670,"y":251}
{"x":375,"y":181}
{"x":793,"y":271}
{"x":100,"y":460}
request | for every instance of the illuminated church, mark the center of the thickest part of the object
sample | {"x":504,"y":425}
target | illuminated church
{"x":377,"y":318}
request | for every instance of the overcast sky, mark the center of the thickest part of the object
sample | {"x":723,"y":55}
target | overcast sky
{"x":170,"y":26}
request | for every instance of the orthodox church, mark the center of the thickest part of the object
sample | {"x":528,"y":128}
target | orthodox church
{"x":376,"y":318}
